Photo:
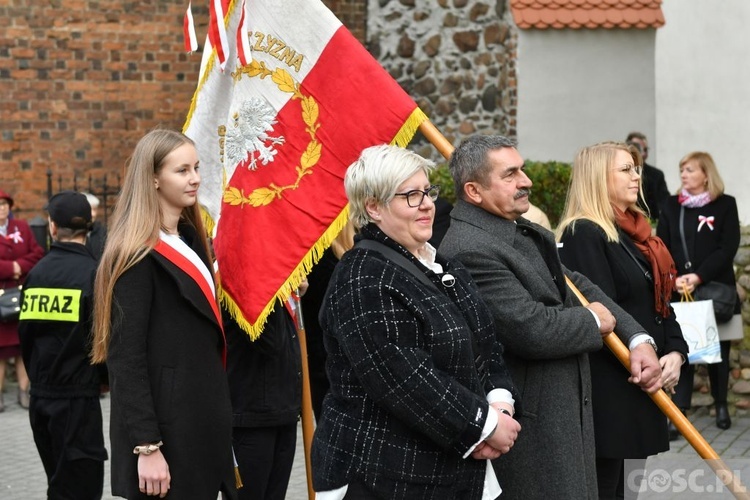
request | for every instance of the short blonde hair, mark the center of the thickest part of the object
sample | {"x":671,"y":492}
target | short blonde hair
{"x":376,"y":175}
{"x":715,"y":185}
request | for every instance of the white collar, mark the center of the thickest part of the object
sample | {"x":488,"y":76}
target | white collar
{"x":426,"y":255}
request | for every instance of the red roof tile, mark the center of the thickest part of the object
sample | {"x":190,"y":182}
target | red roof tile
{"x":589,"y":14}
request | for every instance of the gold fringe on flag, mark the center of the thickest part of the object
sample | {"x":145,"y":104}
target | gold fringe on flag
{"x":401,"y":139}
{"x":409,"y":128}
{"x":208,"y":222}
{"x":292,"y":282}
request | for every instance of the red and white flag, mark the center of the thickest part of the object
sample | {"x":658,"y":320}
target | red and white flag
{"x":275,"y":137}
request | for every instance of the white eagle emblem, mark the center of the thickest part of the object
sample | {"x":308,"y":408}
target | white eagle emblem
{"x":248,"y":135}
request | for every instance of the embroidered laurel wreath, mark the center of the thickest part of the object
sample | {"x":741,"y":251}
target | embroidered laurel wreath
{"x":310,"y":157}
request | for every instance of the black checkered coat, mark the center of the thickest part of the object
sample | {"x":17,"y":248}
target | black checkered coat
{"x":405,"y":402}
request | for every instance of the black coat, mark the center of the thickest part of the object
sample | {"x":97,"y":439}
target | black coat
{"x":96,"y":239}
{"x":406,"y":401}
{"x":655,"y":190}
{"x":265,"y":378}
{"x":711,"y":251}
{"x":168,"y":381}
{"x":312,"y":302}
{"x":627,"y":424}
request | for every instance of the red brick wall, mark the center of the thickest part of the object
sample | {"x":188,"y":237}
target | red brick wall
{"x":353,"y":13}
{"x":82,"y":80}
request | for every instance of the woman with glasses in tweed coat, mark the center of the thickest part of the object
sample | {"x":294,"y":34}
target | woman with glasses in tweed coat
{"x":420,"y":397}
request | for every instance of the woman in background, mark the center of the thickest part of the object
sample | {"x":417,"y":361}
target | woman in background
{"x":711,"y":227}
{"x":605,"y":236}
{"x":19,"y":252}
{"x":158,"y":327}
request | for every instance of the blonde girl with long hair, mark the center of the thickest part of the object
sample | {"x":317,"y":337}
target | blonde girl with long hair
{"x":157,"y":326}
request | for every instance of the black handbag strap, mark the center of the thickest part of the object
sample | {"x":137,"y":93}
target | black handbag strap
{"x":396,"y":258}
{"x":646,"y":272}
{"x":688,"y":264}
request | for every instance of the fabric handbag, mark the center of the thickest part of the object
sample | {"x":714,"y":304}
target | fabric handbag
{"x":733,"y":329}
{"x":723,"y":295}
{"x":698,"y":324}
{"x":10,"y":304}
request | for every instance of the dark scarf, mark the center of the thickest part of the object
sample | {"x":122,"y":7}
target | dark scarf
{"x":635,"y":225}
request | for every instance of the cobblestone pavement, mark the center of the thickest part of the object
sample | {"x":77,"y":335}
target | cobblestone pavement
{"x":670,"y":475}
{"x":22,"y":475}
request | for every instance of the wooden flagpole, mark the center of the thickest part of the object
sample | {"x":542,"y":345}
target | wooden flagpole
{"x":307,"y":413}
{"x":669,"y":409}
{"x":661,"y":399}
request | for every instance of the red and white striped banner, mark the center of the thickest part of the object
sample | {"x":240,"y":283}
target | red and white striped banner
{"x":188,"y":30}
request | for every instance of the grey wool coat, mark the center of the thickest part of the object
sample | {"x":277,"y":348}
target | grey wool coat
{"x":546,"y":336}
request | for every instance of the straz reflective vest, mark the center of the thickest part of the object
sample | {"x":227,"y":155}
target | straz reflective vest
{"x":51,"y":304}
{"x":55,"y":324}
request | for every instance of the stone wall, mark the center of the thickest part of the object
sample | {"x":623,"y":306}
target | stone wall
{"x":739,"y":378}
{"x":456,"y":58}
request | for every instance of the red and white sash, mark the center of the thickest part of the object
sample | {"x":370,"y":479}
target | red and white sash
{"x":178,"y":253}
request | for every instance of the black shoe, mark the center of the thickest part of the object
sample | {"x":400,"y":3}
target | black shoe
{"x":674,"y":434}
{"x":722,"y":417}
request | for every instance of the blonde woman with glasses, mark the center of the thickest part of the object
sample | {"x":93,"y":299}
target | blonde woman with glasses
{"x":606,"y":237}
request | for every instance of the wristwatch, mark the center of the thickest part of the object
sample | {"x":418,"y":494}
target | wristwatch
{"x":651,"y":342}
{"x":147,"y":449}
{"x":645,"y":339}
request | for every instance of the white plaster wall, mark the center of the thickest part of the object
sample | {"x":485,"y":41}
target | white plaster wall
{"x":579,"y":87}
{"x":703,"y":90}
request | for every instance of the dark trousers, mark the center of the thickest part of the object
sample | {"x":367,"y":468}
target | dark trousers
{"x":357,"y":491}
{"x":610,"y":477}
{"x":69,"y":439}
{"x":718,"y":375}
{"x":265,"y":456}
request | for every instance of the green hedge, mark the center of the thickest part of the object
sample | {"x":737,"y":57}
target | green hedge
{"x":550,"y":180}
{"x":550,"y":187}
{"x":441,"y":176}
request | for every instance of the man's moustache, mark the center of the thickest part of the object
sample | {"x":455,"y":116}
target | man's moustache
{"x":521,"y":193}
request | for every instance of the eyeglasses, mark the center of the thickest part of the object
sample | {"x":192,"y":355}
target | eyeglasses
{"x":415,"y":197}
{"x":631,"y":170}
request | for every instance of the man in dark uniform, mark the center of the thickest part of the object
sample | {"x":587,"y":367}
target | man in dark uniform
{"x":54,"y":329}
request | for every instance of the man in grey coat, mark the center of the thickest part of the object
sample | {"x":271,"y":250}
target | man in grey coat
{"x":544,"y":329}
